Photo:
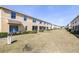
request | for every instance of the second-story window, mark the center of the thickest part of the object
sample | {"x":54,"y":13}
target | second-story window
{"x":34,"y":20}
{"x":25,"y":18}
{"x":13,"y":15}
{"x":40,"y":22}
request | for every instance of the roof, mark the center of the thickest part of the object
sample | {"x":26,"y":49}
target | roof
{"x":23,"y":14}
{"x":75,"y":18}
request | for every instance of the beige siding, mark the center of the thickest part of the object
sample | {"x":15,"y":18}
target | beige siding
{"x":29,"y":24}
{"x":6,"y":15}
{"x":0,"y":19}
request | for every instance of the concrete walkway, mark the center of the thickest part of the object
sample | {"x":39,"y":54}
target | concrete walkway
{"x":43,"y":42}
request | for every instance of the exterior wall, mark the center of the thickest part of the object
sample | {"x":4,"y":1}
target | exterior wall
{"x":20,"y":18}
{"x":0,"y":19}
{"x":5,"y":16}
{"x":29,"y":24}
{"x":50,"y":26}
{"x":74,"y":24}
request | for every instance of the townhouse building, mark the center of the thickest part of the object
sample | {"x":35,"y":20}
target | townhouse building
{"x":74,"y":24}
{"x":55,"y":26}
{"x":12,"y":21}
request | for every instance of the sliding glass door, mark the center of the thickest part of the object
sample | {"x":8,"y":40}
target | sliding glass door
{"x":13,"y":28}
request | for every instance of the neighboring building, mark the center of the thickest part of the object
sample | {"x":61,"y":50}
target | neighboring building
{"x":56,"y":27}
{"x":74,"y":24}
{"x":68,"y":26}
{"x":12,"y":21}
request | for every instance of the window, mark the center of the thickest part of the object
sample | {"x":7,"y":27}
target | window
{"x":40,"y":22}
{"x":13,"y":28}
{"x":41,"y":28}
{"x":25,"y":18}
{"x":78,"y":27}
{"x":34,"y":20}
{"x":13,"y":15}
{"x":34,"y":28}
{"x":75,"y":27}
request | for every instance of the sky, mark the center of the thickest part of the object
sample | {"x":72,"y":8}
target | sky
{"x":56,"y":14}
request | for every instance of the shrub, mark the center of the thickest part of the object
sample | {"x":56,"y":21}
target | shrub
{"x":28,"y":32}
{"x":41,"y":30}
{"x":14,"y":33}
{"x":3,"y":34}
{"x":34,"y":31}
{"x":49,"y":29}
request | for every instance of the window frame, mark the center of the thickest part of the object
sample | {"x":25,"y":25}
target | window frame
{"x":25,"y":18}
{"x":40,"y":22}
{"x":34,"y":20}
{"x":13,"y":15}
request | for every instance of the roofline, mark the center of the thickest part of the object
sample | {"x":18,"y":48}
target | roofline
{"x":24,"y":14}
{"x":75,"y":18}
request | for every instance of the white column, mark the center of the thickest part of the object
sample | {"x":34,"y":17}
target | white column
{"x":38,"y":28}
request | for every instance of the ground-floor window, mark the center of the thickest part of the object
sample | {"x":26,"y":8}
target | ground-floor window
{"x":73,"y":28}
{"x":42,"y":28}
{"x":78,"y":27}
{"x":13,"y":28}
{"x":35,"y":28}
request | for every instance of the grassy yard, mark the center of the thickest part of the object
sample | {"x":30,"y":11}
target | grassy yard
{"x":48,"y":41}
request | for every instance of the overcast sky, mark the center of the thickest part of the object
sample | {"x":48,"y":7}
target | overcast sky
{"x":56,"y":14}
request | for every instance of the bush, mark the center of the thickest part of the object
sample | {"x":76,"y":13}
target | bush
{"x":49,"y":29}
{"x":41,"y":30}
{"x":28,"y":32}
{"x":69,"y":29}
{"x":3,"y":34}
{"x":34,"y":31}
